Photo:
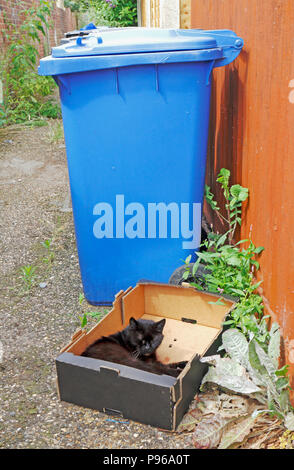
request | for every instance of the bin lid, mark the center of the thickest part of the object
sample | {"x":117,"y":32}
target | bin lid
{"x":135,"y":40}
{"x":122,"y":47}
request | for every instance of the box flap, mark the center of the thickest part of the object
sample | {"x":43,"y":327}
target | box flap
{"x":178,"y":302}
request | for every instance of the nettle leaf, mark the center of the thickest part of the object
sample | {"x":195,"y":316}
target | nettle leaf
{"x":237,"y":432}
{"x":217,"y":302}
{"x":284,"y":401}
{"x":254,"y":359}
{"x":274,"y":345}
{"x":185,"y":275}
{"x":198,"y":286}
{"x":229,"y":374}
{"x":208,"y":432}
{"x":265,"y":359}
{"x":275,"y":326}
{"x":221,"y":240}
{"x":210,"y":198}
{"x":236,"y":345}
{"x":282,"y":383}
{"x":195,"y":266}
{"x":234,"y":260}
{"x":289,"y":421}
{"x":188,"y":259}
{"x":283,"y":371}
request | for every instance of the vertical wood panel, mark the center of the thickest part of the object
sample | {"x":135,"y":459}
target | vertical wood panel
{"x":252,"y":134}
{"x":185,"y":14}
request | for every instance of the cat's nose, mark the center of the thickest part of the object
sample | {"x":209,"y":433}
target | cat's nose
{"x":146,"y":349}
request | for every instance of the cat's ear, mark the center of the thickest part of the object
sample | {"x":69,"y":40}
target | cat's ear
{"x":159,"y":325}
{"x":133,"y":323}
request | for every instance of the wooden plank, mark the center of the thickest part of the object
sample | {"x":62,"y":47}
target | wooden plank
{"x":251,"y":133}
{"x":185,"y":14}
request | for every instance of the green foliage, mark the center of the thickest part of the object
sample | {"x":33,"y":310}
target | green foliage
{"x":97,"y":316}
{"x":25,"y":93}
{"x":251,"y":369}
{"x":118,"y":12}
{"x":252,"y":350}
{"x":28,"y":276}
{"x":231,"y":269}
{"x":234,"y":197}
{"x":107,"y":12}
{"x":75,"y":5}
{"x":55,"y":131}
{"x":49,"y":258}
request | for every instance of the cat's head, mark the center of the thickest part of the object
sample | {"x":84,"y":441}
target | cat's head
{"x":144,"y":336}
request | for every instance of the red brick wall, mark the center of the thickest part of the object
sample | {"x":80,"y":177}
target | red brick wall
{"x":63,"y":20}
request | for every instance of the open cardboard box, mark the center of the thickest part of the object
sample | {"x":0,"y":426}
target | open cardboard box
{"x":193,"y":325}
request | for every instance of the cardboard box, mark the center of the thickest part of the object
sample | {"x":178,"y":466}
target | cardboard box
{"x":193,"y":325}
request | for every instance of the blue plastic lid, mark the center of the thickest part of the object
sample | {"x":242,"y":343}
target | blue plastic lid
{"x":135,"y":40}
{"x":88,"y":26}
{"x":122,"y":47}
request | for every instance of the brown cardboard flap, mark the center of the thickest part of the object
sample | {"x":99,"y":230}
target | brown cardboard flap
{"x":111,"y":323}
{"x":163,"y":301}
{"x":133,"y":304}
{"x":176,"y":302}
{"x":183,"y":340}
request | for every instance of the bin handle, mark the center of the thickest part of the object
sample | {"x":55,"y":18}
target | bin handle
{"x":229,"y":42}
{"x":79,"y":41}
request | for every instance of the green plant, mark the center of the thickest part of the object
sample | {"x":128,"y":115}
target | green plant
{"x":55,"y":132}
{"x":252,"y":369}
{"x":28,"y":276}
{"x":234,"y":197}
{"x":95,"y":315}
{"x":49,"y":252}
{"x":85,"y":315}
{"x":107,"y":12}
{"x":231,"y":269}
{"x":26,"y":93}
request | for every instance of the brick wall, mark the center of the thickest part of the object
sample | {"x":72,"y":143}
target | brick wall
{"x":63,"y":20}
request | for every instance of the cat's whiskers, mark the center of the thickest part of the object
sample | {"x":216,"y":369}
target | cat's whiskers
{"x":136,"y":353}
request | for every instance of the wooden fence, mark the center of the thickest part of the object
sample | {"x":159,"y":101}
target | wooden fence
{"x":252,"y":131}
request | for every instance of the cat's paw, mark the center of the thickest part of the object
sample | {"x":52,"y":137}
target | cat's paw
{"x":182,"y":364}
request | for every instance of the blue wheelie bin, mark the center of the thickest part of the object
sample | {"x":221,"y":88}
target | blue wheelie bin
{"x":135,"y":108}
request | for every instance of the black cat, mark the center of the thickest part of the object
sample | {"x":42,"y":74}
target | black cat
{"x":135,"y":346}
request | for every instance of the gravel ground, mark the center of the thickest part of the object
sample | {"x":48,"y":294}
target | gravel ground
{"x":35,"y":323}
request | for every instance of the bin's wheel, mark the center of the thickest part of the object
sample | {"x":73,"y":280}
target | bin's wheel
{"x":177,"y":276}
